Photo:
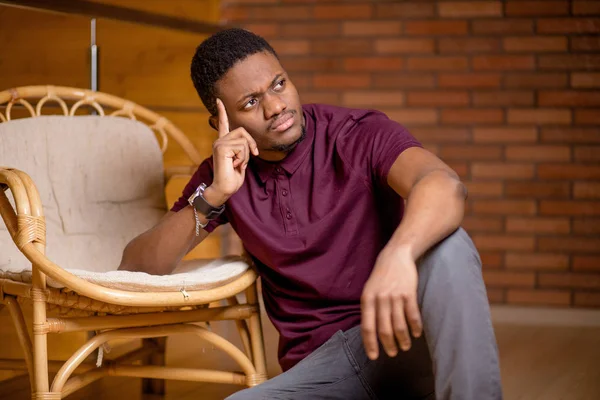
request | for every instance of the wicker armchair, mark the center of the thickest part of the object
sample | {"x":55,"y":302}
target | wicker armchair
{"x":89,"y":295}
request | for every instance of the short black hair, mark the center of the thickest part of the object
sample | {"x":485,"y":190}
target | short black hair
{"x":217,"y":54}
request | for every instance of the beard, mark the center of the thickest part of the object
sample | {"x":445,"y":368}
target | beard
{"x":286,"y":148}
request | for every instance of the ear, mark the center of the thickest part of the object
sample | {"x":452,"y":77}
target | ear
{"x":213,"y":121}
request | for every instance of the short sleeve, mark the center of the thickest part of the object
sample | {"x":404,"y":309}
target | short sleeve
{"x":204,"y":174}
{"x":374,"y":143}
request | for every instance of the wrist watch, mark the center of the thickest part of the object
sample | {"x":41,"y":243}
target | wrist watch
{"x":200,"y":205}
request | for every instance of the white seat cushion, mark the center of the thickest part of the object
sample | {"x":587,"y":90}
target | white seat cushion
{"x":190,"y":275}
{"x":101,"y":182}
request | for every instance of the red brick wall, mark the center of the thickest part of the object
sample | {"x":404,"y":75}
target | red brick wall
{"x":506,"y":92}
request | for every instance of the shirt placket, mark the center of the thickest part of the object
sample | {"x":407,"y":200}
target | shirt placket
{"x":285,"y":200}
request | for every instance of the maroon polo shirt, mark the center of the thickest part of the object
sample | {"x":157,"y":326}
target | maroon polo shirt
{"x":315,"y":222}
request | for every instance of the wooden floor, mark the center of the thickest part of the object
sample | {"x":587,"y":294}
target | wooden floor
{"x":538,"y":362}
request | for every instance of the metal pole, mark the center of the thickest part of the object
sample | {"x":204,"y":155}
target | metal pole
{"x":93,"y":58}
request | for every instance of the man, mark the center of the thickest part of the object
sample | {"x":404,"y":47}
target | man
{"x":352,"y":275}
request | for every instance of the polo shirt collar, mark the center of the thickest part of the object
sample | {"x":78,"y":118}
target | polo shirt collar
{"x":268,"y":169}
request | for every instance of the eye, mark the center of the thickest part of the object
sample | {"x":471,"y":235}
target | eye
{"x":280,"y":85}
{"x":250,"y":104}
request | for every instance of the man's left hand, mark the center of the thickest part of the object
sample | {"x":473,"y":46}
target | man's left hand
{"x":389,"y":303}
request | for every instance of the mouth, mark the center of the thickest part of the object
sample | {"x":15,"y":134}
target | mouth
{"x":283,"y":123}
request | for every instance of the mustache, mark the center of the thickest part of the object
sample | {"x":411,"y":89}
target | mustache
{"x":293,"y":112}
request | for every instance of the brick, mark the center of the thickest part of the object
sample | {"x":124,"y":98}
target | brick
{"x":569,"y":280}
{"x":536,"y":80}
{"x":483,"y":224}
{"x":504,"y":207}
{"x":441,"y":134}
{"x":276,"y":13}
{"x":439,"y":63}
{"x":571,"y":135}
{"x":535,"y":44}
{"x":478,"y":189}
{"x":539,"y":297}
{"x":471,"y":152}
{"x":469,"y":9}
{"x":587,"y":117}
{"x":502,"y":26}
{"x":438,"y":98}
{"x":586,"y":226}
{"x":347,"y":46}
{"x":539,"y":116}
{"x":586,"y":190}
{"x":504,"y":135}
{"x":502,"y":171}
{"x":436,"y":28}
{"x":310,"y":30}
{"x":373,"y":98}
{"x":405,"y":10}
{"x":569,"y":98}
{"x":586,"y":7}
{"x":573,"y":208}
{"x":419,"y":116}
{"x":341,"y":81}
{"x":585,"y":43}
{"x":404,"y":81}
{"x":343,"y":11}
{"x":461,"y":168}
{"x":539,"y":190}
{"x":569,"y":61}
{"x":568,"y":171}
{"x":503,"y":62}
{"x":320,"y":97}
{"x":372,"y":28}
{"x":373,"y":64}
{"x":387,"y":46}
{"x":538,"y":225}
{"x":291,"y":47}
{"x":503,"y":98}
{"x":301,"y":81}
{"x":519,"y":8}
{"x":267,"y":31}
{"x":538,"y":153}
{"x":587,"y":299}
{"x":538,"y":261}
{"x":569,"y":25}
{"x":587,"y":153}
{"x":306,"y":64}
{"x":586,"y":263}
{"x":495,"y":295}
{"x":469,"y":80}
{"x":585,"y":79}
{"x":509,"y":278}
{"x":492,"y":259}
{"x":468,"y":45}
{"x":472,"y":116}
{"x":503,"y":242}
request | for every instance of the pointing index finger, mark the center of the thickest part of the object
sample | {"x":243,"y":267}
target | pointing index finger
{"x":223,"y":120}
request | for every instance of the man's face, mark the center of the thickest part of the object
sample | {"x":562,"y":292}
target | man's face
{"x":259,"y":97}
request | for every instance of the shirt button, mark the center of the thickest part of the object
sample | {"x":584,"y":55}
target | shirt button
{"x":288,"y":216}
{"x":277,"y":169}
{"x":284,"y":192}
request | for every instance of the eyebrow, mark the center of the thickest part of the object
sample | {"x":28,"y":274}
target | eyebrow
{"x":256,"y":93}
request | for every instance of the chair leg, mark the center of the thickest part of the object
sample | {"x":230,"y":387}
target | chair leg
{"x":256,"y":338}
{"x":41,"y":386}
{"x":155,"y":386}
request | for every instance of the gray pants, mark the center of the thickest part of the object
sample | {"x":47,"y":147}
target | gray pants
{"x":457,"y":358}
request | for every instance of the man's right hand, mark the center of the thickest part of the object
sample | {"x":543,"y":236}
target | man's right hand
{"x":231,"y":154}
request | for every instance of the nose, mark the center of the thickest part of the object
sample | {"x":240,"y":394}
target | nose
{"x":273,"y":105}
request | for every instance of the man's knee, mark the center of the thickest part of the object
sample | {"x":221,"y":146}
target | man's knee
{"x":455,"y":250}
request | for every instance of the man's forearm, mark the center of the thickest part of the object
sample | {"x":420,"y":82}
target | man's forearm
{"x":159,"y":250}
{"x":434,"y":209}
